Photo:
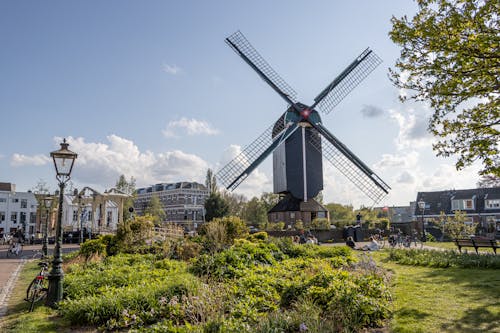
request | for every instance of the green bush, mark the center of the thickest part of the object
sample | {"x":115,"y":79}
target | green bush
{"x":444,"y":259}
{"x":93,"y":247}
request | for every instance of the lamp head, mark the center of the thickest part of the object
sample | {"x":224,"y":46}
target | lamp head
{"x":63,"y":160}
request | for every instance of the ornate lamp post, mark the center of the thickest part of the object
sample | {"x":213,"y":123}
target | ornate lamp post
{"x":421,"y":205}
{"x":47,"y":200}
{"x":63,"y":162}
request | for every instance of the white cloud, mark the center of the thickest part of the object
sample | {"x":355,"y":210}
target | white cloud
{"x":412,"y":128}
{"x":405,"y":177}
{"x":371,"y":111}
{"x":402,"y":160}
{"x":171,"y":69}
{"x":190,"y":126}
{"x":101,"y":164}
{"x":24,"y":160}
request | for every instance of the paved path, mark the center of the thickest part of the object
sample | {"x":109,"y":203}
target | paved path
{"x":11,"y":267}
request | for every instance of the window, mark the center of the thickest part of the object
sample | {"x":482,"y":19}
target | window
{"x":24,"y":203}
{"x":32,"y":217}
{"x":22,"y":217}
{"x":492,"y":204}
{"x":2,"y":217}
{"x":15,"y":200}
{"x":3,"y":200}
{"x":13,"y":217}
{"x":468,"y":204}
{"x":75,"y":215}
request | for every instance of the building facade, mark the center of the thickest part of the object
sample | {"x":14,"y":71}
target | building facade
{"x":481,"y":205}
{"x":100,"y":218}
{"x":183,"y":202}
{"x":17,"y":211}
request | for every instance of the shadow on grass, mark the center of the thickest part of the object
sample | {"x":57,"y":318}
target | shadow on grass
{"x":479,"y":319}
{"x":485,"y":283}
{"x":410,"y":313}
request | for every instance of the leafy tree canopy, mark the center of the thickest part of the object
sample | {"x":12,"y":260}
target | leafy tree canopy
{"x":211,"y":181}
{"x":450,"y":57}
{"x":255,"y":212}
{"x":489,"y":181}
{"x":215,"y":206}
{"x":155,"y":209}
{"x":269,"y":200}
{"x":235,"y":202}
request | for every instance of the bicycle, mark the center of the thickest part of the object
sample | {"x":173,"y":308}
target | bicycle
{"x":37,"y":290}
{"x":15,"y":249}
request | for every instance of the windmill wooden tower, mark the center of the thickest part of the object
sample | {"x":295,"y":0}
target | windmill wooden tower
{"x":298,"y":139}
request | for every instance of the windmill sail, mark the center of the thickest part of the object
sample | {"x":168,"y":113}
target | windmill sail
{"x":233,"y":173}
{"x":343,"y":84}
{"x":350,"y":165}
{"x":245,"y":50}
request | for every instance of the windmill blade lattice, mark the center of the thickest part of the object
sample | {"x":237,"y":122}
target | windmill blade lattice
{"x":343,"y":84}
{"x":347,"y":163}
{"x":238,"y":42}
{"x":233,"y":173}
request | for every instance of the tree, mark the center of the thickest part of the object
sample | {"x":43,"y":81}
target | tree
{"x":489,"y":181}
{"x":211,"y":181}
{"x":456,"y":226}
{"x":155,"y":209}
{"x":450,"y":57}
{"x":215,"y":206}
{"x":41,"y":187}
{"x":235,"y":202}
{"x":269,"y":200}
{"x":127,"y":187}
{"x":341,"y":215}
{"x":255,"y":212}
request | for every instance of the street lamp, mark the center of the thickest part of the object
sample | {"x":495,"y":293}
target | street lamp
{"x":63,"y":162}
{"x":421,"y":205}
{"x":47,"y":200}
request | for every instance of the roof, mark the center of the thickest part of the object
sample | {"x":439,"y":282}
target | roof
{"x":8,"y":187}
{"x":440,"y":201}
{"x":172,"y":186}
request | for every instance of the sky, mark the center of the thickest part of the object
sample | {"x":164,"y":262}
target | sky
{"x":150,"y":90}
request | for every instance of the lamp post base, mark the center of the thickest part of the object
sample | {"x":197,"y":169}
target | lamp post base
{"x":55,"y":292}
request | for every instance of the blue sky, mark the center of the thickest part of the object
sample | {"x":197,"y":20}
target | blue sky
{"x":149,"y":89}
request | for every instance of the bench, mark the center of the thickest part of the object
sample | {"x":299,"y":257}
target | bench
{"x":476,"y":243}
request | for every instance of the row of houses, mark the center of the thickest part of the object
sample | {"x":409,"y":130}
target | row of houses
{"x":94,"y":213}
{"x":183,"y":203}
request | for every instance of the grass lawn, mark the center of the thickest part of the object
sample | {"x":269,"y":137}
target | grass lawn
{"x":18,"y":319}
{"x":443,"y":300}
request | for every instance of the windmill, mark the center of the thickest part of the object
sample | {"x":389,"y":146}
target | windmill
{"x":298,"y":139}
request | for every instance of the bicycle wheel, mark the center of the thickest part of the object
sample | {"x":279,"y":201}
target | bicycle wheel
{"x":36,"y":291}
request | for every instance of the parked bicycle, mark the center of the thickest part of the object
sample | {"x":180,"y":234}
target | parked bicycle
{"x":37,"y":290}
{"x":15,"y":249}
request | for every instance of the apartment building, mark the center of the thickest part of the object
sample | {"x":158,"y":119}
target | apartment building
{"x":183,"y":202}
{"x":17,"y":210}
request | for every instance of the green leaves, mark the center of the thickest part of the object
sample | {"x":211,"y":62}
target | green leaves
{"x":450,"y":57}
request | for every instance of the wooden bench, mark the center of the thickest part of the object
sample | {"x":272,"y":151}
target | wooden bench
{"x":476,"y":243}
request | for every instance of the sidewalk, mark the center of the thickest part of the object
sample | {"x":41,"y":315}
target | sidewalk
{"x":9,"y":271}
{"x":11,"y":267}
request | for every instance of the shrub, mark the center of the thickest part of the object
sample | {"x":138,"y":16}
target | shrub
{"x":444,"y":259}
{"x":258,"y":236}
{"x":93,"y":247}
{"x":320,"y":224}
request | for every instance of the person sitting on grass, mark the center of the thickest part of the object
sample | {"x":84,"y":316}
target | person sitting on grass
{"x":372,"y":246}
{"x":350,"y":242}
